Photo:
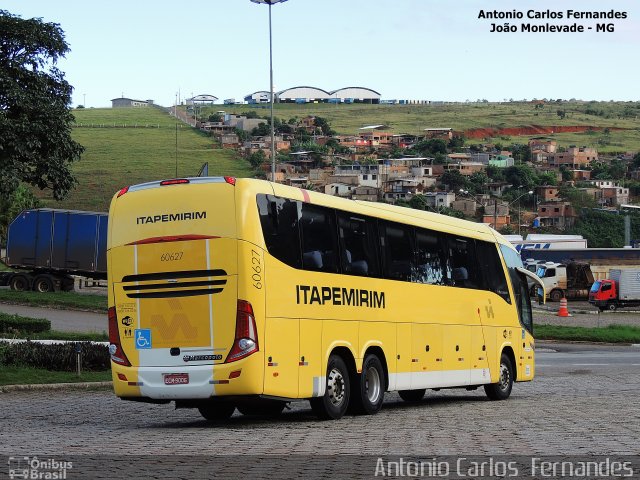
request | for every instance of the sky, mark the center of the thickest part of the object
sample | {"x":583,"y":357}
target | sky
{"x":436,"y":50}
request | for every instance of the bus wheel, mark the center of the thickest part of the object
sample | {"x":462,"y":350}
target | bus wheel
{"x":412,"y":395}
{"x":502,"y":389}
{"x":266,"y":408}
{"x":217,"y":411}
{"x":333,"y":404}
{"x":368,"y":397}
{"x":44,"y":284}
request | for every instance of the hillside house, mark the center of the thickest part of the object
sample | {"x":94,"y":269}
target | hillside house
{"x":129,"y":103}
{"x":574,"y":157}
{"x":496,"y":189}
{"x":501,"y":161}
{"x":542,"y":149}
{"x":561,"y":215}
{"x":465,"y":168}
{"x":439,"y":199}
{"x":547,"y":193}
{"x":369,"y":194}
{"x":497,"y":222}
{"x":467,"y":206}
{"x":339,"y":189}
{"x":441,"y":133}
{"x":580,"y":175}
{"x":614,"y":196}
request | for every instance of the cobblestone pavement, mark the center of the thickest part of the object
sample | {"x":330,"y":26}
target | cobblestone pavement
{"x":567,"y":410}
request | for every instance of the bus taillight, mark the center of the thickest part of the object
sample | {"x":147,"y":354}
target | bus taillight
{"x":246,"y":341}
{"x":115,"y":348}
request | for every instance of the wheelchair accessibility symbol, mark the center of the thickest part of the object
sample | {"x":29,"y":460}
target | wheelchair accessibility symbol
{"x":143,"y":338}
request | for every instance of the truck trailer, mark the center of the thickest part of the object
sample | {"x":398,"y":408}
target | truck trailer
{"x":46,"y":246}
{"x":621,"y":289}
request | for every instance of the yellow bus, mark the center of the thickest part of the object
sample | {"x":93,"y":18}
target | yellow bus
{"x":230,"y":293}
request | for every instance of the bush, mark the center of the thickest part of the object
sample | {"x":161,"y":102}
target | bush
{"x":57,"y":356}
{"x":16,"y":324}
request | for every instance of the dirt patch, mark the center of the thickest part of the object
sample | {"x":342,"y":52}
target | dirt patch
{"x":529,"y":130}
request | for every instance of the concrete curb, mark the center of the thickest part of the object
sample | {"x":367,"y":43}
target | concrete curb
{"x":56,"y":386}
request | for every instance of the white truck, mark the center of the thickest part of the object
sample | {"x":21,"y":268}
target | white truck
{"x":570,"y":280}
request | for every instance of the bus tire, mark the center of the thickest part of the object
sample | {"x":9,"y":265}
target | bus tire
{"x":217,"y":411}
{"x":502,"y":389}
{"x":369,"y":387}
{"x":412,"y":396}
{"x":44,"y":284}
{"x":556,"y":295}
{"x":333,"y":404}
{"x":20,"y":283}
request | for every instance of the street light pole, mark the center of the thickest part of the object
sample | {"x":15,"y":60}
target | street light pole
{"x":273,"y":145}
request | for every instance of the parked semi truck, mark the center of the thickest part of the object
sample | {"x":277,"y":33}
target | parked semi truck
{"x":621,"y":289}
{"x":45,"y":247}
{"x":570,"y":280}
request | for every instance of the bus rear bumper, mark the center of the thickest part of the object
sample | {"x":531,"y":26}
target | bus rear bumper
{"x":184,"y":383}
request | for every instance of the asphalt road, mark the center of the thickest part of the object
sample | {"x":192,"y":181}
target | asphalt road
{"x":62,"y":320}
{"x":583,"y":402}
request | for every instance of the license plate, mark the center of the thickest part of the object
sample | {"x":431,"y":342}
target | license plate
{"x":176,"y":378}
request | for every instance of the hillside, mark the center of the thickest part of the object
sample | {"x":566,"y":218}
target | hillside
{"x":128,"y":146}
{"x":621,"y":118}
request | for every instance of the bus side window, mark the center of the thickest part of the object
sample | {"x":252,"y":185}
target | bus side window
{"x":462,"y":266}
{"x":491,"y":270}
{"x":430,"y":259}
{"x":279,"y":219}
{"x":358,"y":245}
{"x":317,"y":228}
{"x":397,"y":251}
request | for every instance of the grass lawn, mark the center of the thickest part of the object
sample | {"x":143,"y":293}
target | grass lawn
{"x":130,"y":146}
{"x":609,"y":334}
{"x":63,"y":300}
{"x":346,"y":119}
{"x":26,"y":376}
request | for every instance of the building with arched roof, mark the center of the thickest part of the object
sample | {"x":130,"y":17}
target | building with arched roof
{"x":202,"y":99}
{"x":261,"y":96}
{"x":307,"y":94}
{"x":355,"y":95}
{"x":302,"y":94}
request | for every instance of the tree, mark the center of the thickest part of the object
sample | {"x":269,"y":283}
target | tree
{"x":478,"y":182}
{"x":35,"y":113}
{"x":257,"y":158}
{"x":262,"y":130}
{"x":455,"y":180}
{"x":522,"y":176}
{"x":431,"y":146}
{"x":21,"y":199}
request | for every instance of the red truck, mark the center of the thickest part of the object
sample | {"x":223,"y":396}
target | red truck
{"x":621,"y":289}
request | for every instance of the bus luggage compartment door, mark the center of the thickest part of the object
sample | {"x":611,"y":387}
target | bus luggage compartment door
{"x":176,"y":327}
